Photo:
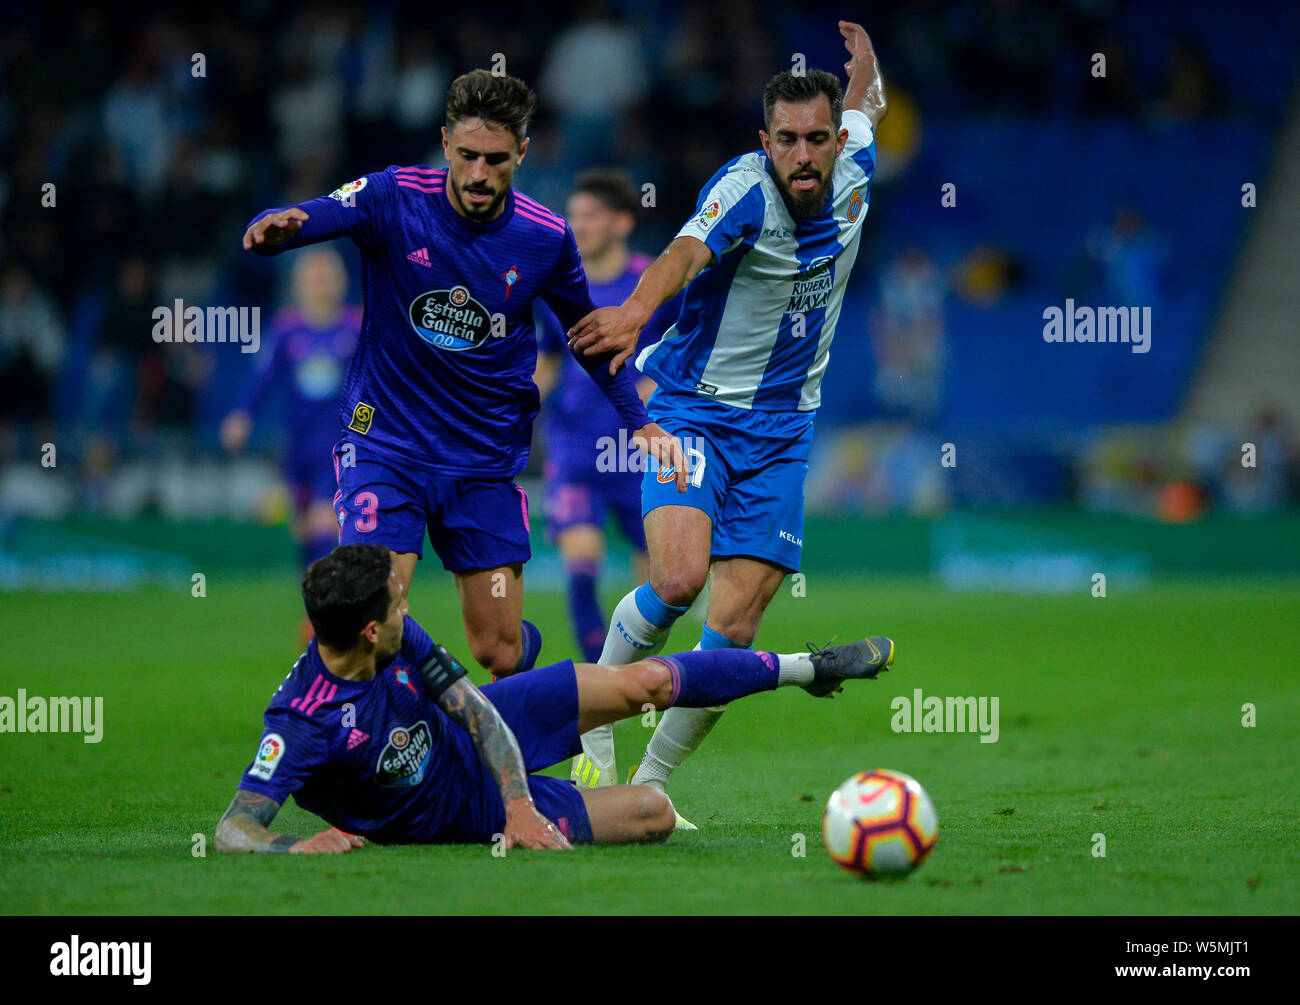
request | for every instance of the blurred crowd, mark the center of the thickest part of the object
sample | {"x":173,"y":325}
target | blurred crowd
{"x":137,"y":145}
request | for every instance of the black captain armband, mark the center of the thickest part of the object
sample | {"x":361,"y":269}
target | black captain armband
{"x":440,"y":671}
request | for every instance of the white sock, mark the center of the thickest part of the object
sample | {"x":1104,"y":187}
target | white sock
{"x":679,"y":733}
{"x":628,"y":625}
{"x":682,"y":730}
{"x":598,"y":744}
{"x":626,"y":621}
{"x":794,"y":668}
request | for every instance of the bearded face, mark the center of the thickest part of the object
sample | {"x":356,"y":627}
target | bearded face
{"x":802,"y":146}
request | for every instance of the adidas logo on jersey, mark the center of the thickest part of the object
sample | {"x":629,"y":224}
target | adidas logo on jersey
{"x":420,"y":256}
{"x":356,"y":738}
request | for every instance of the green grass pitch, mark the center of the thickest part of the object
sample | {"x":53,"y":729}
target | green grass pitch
{"x":1119,"y":716}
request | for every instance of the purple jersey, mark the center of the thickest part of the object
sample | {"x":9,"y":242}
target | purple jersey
{"x":577,"y":415}
{"x":308,"y":363}
{"x":442,"y":377}
{"x":375,"y":757}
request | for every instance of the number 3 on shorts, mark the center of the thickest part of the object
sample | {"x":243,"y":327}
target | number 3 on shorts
{"x":369,"y":519}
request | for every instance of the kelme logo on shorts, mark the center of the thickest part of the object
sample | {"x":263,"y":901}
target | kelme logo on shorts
{"x":450,"y":319}
{"x":362,"y":416}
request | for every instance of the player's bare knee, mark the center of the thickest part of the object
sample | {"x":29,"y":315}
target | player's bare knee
{"x":646,"y":683}
{"x":654,"y":814}
{"x":496,"y":655}
{"x":738,"y":631}
{"x":679,"y":587}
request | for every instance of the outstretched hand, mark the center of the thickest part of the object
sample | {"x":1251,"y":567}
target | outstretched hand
{"x":275,"y":228}
{"x":858,"y":42}
{"x":666,"y":448}
{"x":866,"y":90}
{"x":330,"y":842}
{"x":527,"y":828}
{"x":607,"y":329}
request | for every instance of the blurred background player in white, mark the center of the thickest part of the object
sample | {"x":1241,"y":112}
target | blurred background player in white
{"x":767,"y":257}
{"x":307,"y":352}
{"x":588,"y":477}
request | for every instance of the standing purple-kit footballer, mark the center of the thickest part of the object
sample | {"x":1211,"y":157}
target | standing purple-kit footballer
{"x":590,"y":473}
{"x":307,"y":354}
{"x":439,"y":400}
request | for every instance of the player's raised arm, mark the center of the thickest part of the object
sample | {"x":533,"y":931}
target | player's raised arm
{"x":245,"y":827}
{"x":568,"y":298}
{"x":866,"y":90}
{"x":446,"y":683}
{"x":615,"y":329}
{"x":346,"y":212}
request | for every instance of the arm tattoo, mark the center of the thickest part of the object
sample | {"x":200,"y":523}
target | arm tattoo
{"x":495,"y":742}
{"x":244,"y":825}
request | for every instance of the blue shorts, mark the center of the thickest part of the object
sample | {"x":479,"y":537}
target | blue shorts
{"x":310,"y":474}
{"x":576,"y":498}
{"x":473,"y":523}
{"x":747,"y":473}
{"x":541,"y":708}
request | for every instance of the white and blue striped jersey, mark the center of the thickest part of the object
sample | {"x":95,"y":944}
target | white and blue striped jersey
{"x":756,"y":325}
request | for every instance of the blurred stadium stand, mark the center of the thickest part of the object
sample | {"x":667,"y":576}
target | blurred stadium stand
{"x":1256,"y":353}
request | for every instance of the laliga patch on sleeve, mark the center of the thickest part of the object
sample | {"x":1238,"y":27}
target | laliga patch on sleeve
{"x":268,"y":757}
{"x":347,"y":194}
{"x":708,"y":215}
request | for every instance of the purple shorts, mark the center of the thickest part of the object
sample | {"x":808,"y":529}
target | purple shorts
{"x":576,"y":498}
{"x":311,"y":477}
{"x":541,"y":708}
{"x":473,"y":523}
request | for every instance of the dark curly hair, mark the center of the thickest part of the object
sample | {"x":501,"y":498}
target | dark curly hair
{"x":345,"y":591}
{"x":800,"y":88}
{"x":503,"y":101}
